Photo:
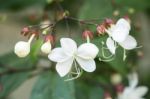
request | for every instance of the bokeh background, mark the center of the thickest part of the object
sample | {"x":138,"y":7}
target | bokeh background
{"x":15,"y":14}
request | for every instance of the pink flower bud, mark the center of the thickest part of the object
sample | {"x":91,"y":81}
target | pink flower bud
{"x":100,"y":29}
{"x":87,"y":34}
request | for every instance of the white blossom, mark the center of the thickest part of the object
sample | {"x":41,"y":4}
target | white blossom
{"x":46,"y":47}
{"x":69,"y":53}
{"x":133,"y":91}
{"x":119,"y":34}
{"x":22,"y":49}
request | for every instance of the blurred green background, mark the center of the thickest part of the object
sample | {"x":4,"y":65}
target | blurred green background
{"x":34,"y":77}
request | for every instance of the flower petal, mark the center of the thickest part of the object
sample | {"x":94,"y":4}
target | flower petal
{"x":57,"y":55}
{"x":121,"y":30}
{"x":68,"y":45}
{"x":120,"y":33}
{"x":129,"y":43}
{"x":141,"y":91}
{"x":63,"y":68}
{"x":111,"y":45}
{"x":87,"y":65}
{"x":123,"y":22}
{"x":87,"y":51}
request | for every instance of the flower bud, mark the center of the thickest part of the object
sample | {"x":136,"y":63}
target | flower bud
{"x":45,"y":24}
{"x":116,"y":79}
{"x":119,"y":88}
{"x":22,"y":49}
{"x":87,"y":34}
{"x":100,"y":29}
{"x":108,"y":22}
{"x":46,"y":47}
{"x":25,"y":31}
{"x":107,"y":95}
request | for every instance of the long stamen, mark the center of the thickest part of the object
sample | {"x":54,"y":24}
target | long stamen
{"x":78,"y":73}
{"x":124,"y":54}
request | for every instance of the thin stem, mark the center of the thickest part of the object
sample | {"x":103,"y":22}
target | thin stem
{"x":31,"y":38}
{"x":124,"y":54}
{"x":81,"y":21}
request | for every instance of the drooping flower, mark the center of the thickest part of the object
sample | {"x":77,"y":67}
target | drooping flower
{"x":132,"y":91}
{"x":22,"y":48}
{"x":119,"y":34}
{"x":46,"y":47}
{"x":68,"y":53}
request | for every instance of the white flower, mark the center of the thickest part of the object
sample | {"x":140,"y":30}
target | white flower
{"x":46,"y":47}
{"x":22,"y":49}
{"x":68,"y":53}
{"x":132,"y":91}
{"x":120,"y":33}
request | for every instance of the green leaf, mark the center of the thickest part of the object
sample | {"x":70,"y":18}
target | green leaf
{"x":19,"y":4}
{"x":87,"y":91}
{"x":51,"y":86}
{"x":11,"y":81}
{"x":95,"y":9}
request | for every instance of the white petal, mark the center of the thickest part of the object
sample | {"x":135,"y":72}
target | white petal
{"x":129,"y":43}
{"x":46,"y":47}
{"x":133,"y":80}
{"x":141,"y":91}
{"x":68,"y":45}
{"x":87,"y":65}
{"x":22,"y":49}
{"x":87,"y":51}
{"x":63,"y":68}
{"x":120,"y":33}
{"x":123,"y":22}
{"x":57,"y":55}
{"x":111,"y":45}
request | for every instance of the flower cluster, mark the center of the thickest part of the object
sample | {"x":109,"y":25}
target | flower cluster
{"x":22,"y":48}
{"x":70,"y":59}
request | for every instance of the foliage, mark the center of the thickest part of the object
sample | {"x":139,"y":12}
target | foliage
{"x":49,"y":85}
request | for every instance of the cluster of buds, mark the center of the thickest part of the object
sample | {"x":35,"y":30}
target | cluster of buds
{"x":102,"y":27}
{"x":22,"y":48}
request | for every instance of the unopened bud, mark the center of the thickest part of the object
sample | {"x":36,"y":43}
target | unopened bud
{"x":131,"y":10}
{"x":87,"y":34}
{"x":116,"y":13}
{"x":45,"y":24}
{"x":100,"y":29}
{"x":108,"y":22}
{"x":116,"y":79}
{"x":22,"y":49}
{"x":25,"y":31}
{"x":46,"y":47}
{"x":107,"y":95}
{"x":49,"y":38}
{"x":119,"y":88}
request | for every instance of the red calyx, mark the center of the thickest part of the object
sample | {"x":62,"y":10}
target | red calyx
{"x":25,"y":31}
{"x":108,"y":22}
{"x":87,"y":33}
{"x":100,"y":29}
{"x":107,"y":95}
{"x":119,"y":88}
{"x":49,"y":38}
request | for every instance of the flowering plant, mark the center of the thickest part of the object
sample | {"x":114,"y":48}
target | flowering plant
{"x":77,"y":53}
